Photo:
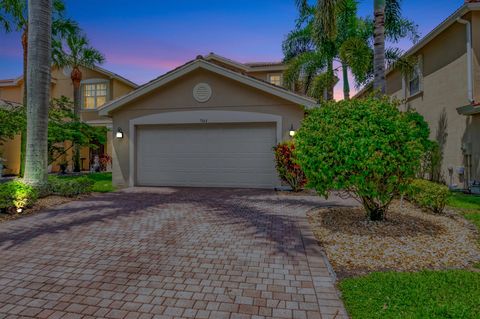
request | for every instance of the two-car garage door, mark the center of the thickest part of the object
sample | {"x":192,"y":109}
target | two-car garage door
{"x":210,"y":155}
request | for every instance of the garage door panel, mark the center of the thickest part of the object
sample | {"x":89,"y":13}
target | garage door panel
{"x":216,"y":155}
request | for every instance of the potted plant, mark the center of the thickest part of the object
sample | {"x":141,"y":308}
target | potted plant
{"x":63,"y":165}
{"x":105,"y":160}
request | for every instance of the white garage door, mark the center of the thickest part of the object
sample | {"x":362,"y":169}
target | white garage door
{"x":212,"y":155}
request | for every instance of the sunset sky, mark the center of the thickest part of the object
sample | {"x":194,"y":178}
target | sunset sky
{"x":143,"y":39}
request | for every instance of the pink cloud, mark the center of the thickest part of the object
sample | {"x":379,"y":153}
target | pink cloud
{"x":145,"y":62}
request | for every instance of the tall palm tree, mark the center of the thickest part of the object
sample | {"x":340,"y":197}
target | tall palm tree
{"x":38,"y":83}
{"x":14,"y":17}
{"x":379,"y":82}
{"x":75,"y":52}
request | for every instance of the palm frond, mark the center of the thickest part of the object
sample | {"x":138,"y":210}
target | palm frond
{"x":297,"y":42}
{"x":326,"y":20}
{"x":63,"y":27}
{"x":358,"y":56}
{"x":303,"y":68}
{"x":321,"y":83}
{"x":76,"y":51}
{"x":396,"y":59}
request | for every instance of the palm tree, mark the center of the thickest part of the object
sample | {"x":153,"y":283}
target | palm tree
{"x":312,"y":48}
{"x":334,"y":31}
{"x":379,"y":82}
{"x":75,"y":53}
{"x":14,"y":17}
{"x":38,"y":83}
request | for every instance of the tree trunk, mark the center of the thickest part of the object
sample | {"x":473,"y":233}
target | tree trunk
{"x":346,"y":83}
{"x":331,"y":84}
{"x":38,"y":94}
{"x":379,"y":83}
{"x":23,"y":136}
{"x":375,"y":212}
{"x":76,"y":77}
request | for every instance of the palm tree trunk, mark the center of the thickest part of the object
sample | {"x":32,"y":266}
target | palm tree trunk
{"x":38,"y":94}
{"x":76,"y":77}
{"x":331,"y":78}
{"x":23,"y":136}
{"x":379,"y":83}
{"x":346,"y":83}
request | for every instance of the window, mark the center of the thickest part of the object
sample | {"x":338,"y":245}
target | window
{"x":94,"y":94}
{"x":414,"y":83}
{"x":275,"y":79}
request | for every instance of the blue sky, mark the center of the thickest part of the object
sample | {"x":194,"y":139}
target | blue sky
{"x":143,"y":39}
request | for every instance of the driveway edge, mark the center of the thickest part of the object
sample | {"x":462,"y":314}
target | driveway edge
{"x":323,"y":275}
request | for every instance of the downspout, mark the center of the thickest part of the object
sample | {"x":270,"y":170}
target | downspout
{"x":468,"y":25}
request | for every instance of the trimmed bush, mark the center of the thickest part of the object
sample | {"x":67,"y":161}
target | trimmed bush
{"x":428,"y":195}
{"x":288,"y":169}
{"x":16,"y":195}
{"x":365,"y":147}
{"x":70,"y":187}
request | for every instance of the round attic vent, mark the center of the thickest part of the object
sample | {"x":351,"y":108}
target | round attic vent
{"x":202,"y":92}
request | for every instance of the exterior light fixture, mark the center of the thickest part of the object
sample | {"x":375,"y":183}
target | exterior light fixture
{"x":292,"y":131}
{"x":119,"y":133}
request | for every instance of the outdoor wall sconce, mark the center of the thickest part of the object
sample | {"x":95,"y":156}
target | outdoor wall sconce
{"x":292,"y":131}
{"x":119,"y":133}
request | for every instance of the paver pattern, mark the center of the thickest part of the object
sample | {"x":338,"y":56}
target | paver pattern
{"x":168,"y":253}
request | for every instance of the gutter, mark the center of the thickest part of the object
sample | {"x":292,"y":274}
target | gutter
{"x":468,"y":26}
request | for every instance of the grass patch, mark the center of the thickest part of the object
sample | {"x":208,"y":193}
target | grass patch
{"x":427,"y":294}
{"x":103,"y":181}
{"x":468,"y":205}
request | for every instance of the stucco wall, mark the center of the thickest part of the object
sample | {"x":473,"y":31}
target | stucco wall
{"x":445,"y":89}
{"x":445,"y":85}
{"x":227,"y":95}
{"x":62,"y":86}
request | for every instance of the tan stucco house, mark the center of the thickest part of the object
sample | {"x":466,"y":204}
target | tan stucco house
{"x":210,"y":122}
{"x":98,"y":87}
{"x":446,"y":84}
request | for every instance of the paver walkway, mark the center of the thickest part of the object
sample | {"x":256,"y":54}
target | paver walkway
{"x":168,"y":253}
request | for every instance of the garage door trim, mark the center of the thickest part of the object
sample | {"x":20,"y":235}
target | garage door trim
{"x":195,"y":117}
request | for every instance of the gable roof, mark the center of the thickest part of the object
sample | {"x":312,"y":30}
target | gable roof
{"x":464,"y":9}
{"x":200,"y":63}
{"x":249,"y":67}
{"x":16,"y":81}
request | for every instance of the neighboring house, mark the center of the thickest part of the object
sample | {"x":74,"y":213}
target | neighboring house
{"x":98,"y":87}
{"x":445,"y":89}
{"x":210,"y":122}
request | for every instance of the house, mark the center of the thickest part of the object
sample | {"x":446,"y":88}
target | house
{"x":211,"y":122}
{"x":445,"y":89}
{"x":98,"y":87}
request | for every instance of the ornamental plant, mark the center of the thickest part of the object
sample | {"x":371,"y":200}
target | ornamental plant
{"x":367,"y":148}
{"x":428,"y":195}
{"x":16,"y":195}
{"x":288,"y":169}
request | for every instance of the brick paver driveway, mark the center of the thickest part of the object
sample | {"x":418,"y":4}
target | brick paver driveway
{"x":168,"y":253}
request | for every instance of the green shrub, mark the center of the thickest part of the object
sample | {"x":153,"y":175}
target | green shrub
{"x":16,"y":195}
{"x":365,"y":147}
{"x":428,"y":195}
{"x":287,"y":168}
{"x":70,"y":187}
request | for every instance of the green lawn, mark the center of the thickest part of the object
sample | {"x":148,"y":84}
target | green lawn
{"x":469,"y":205}
{"x":103,"y":181}
{"x":428,"y":294}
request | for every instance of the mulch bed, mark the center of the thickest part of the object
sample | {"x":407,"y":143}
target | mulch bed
{"x":40,"y":204}
{"x":409,"y":240}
